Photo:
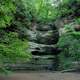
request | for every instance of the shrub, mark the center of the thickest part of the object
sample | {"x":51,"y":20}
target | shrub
{"x":12,"y":49}
{"x":69,"y":42}
{"x":7,"y":8}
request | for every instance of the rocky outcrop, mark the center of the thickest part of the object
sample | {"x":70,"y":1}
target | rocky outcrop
{"x":42,"y":49}
{"x":43,"y":39}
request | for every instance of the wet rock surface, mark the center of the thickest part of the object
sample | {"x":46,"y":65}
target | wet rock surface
{"x":42,"y":42}
{"x":43,"y":38}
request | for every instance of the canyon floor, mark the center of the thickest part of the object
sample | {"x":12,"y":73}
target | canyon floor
{"x":43,"y":76}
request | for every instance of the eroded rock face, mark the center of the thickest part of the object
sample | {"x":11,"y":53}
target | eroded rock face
{"x":47,"y":37}
{"x":44,"y":34}
{"x":43,"y":38}
{"x":31,"y":35}
{"x":43,"y":49}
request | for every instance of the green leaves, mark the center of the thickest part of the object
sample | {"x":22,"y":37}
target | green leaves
{"x":12,"y":46}
{"x":69,"y":42}
{"x":40,"y":10}
{"x":48,"y":10}
{"x":12,"y":49}
{"x":7,"y":8}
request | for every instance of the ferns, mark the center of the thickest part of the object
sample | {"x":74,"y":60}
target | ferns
{"x":7,"y":8}
{"x":69,"y":42}
{"x":40,"y":10}
{"x":12,"y":49}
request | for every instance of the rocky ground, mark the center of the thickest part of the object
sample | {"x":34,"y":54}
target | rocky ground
{"x":43,"y":76}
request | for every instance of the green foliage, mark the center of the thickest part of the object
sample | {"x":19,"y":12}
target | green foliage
{"x":77,"y":20}
{"x":12,"y":49}
{"x":7,"y":8}
{"x":40,"y":10}
{"x":48,"y":10}
{"x":69,"y":42}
